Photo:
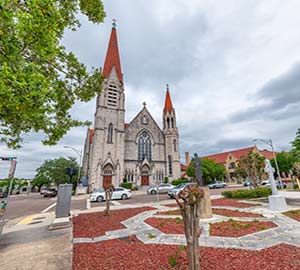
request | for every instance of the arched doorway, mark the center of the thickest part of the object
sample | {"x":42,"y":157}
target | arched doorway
{"x":145,"y":175}
{"x":107,"y":176}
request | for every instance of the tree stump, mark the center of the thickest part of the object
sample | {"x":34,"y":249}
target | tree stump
{"x":205,"y":204}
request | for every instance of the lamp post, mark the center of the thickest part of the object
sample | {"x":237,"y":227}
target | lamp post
{"x":79,"y":153}
{"x":270,"y":143}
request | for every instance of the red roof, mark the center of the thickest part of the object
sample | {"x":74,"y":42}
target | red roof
{"x":221,"y":158}
{"x":112,"y":56}
{"x":168,"y":103}
{"x":183,"y":167}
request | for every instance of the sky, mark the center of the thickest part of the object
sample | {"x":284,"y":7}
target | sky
{"x":233,"y":68}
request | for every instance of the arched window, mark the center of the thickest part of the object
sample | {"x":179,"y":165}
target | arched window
{"x":172,"y":121}
{"x":170,"y":165}
{"x":168,"y":122}
{"x":174,"y":144}
{"x":110,"y":133}
{"x":144,"y":146}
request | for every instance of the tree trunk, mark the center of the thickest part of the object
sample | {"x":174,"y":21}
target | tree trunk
{"x":108,"y":195}
{"x":204,"y":207}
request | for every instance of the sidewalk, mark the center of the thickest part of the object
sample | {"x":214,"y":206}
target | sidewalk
{"x":28,"y":244}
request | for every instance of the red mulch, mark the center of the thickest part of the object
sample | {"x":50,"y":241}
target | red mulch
{"x":171,"y":212}
{"x":230,"y":202}
{"x":234,"y":228}
{"x":167,"y":225}
{"x":222,"y":202}
{"x":96,"y":224}
{"x":294,"y":214}
{"x":223,"y":212}
{"x":134,"y":255}
{"x":234,"y":213}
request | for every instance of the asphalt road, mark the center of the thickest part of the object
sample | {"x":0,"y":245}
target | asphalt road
{"x":34,"y":203}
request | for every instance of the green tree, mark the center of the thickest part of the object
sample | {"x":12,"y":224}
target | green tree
{"x":39,"y":80}
{"x":55,"y":172}
{"x":211,"y":170}
{"x":296,"y":147}
{"x":285,"y":162}
{"x":252,"y":166}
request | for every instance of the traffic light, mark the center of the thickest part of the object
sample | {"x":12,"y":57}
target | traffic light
{"x":8,"y":158}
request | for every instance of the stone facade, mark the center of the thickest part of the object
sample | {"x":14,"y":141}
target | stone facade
{"x":140,"y":151}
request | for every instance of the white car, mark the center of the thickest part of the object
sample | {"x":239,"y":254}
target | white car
{"x":119,"y":193}
{"x":162,"y":188}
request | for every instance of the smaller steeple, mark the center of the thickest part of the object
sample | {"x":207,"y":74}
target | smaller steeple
{"x":168,"y":103}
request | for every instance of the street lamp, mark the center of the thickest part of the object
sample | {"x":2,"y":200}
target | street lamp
{"x":79,"y":153}
{"x":270,"y":143}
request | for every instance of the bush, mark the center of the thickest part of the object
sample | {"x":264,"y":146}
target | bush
{"x":166,"y":180}
{"x":248,"y":193}
{"x":296,"y":186}
{"x":126,"y":185}
{"x":179,"y":181}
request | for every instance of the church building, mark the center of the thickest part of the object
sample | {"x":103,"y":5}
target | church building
{"x":140,"y":151}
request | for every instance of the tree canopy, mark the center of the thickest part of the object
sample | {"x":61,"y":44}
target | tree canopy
{"x":54,"y":171}
{"x":39,"y":80}
{"x":285,"y":162}
{"x":296,"y":146}
{"x":211,"y":170}
{"x":251,"y":166}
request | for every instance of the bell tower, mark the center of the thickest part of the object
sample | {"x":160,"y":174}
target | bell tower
{"x":107,"y":155}
{"x":170,"y":131}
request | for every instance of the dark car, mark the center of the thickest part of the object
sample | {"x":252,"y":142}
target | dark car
{"x":50,"y":192}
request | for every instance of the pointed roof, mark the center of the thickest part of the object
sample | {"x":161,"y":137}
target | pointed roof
{"x":168,"y":102}
{"x":112,"y":55}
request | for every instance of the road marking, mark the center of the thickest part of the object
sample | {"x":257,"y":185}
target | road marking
{"x":115,"y":203}
{"x":48,"y":208}
{"x":88,"y":203}
{"x":27,"y":220}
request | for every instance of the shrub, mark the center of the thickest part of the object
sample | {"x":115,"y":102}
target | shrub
{"x":296,"y":186}
{"x":248,"y":193}
{"x":179,"y":181}
{"x":126,"y":185}
{"x":166,"y":180}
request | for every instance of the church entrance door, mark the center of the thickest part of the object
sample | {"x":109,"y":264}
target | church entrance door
{"x":145,"y":180}
{"x":107,"y":181}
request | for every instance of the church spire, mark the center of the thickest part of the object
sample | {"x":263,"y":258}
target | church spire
{"x":168,"y":103}
{"x":112,"y":55}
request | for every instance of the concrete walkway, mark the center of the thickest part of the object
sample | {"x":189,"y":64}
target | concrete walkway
{"x":287,"y":230}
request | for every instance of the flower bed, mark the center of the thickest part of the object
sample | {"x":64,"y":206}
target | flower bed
{"x":167,"y":225}
{"x":217,"y":211}
{"x":230,"y":202}
{"x":234,"y":213}
{"x":234,"y":228}
{"x":131,"y":254}
{"x":294,"y":214}
{"x":96,"y":224}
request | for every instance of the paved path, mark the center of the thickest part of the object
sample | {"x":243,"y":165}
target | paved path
{"x":287,"y":231}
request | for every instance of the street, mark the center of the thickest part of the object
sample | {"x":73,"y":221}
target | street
{"x":34,"y":203}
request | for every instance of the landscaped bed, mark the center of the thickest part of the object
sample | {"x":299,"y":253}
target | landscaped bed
{"x":167,"y":225}
{"x":294,"y":214}
{"x":235,"y":228}
{"x":96,"y":224}
{"x":217,"y":211}
{"x":131,"y":254}
{"x":223,"y":202}
{"x":234,"y":213}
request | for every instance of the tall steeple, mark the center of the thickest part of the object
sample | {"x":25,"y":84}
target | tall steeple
{"x":112,"y":58}
{"x":168,"y":103}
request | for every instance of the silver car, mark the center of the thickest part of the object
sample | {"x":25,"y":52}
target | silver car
{"x":178,"y":188}
{"x":162,"y":188}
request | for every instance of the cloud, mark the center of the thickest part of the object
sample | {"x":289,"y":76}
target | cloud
{"x":233,"y":70}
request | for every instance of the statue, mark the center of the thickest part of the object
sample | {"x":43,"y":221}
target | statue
{"x":270,"y":171}
{"x":198,"y":170}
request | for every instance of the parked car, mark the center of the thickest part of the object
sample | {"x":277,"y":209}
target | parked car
{"x":50,"y":192}
{"x":247,"y":183}
{"x":3,"y":193}
{"x":217,"y":184}
{"x":43,"y":190}
{"x":162,"y":188}
{"x":278,"y":184}
{"x":177,"y":189}
{"x":119,"y":193}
